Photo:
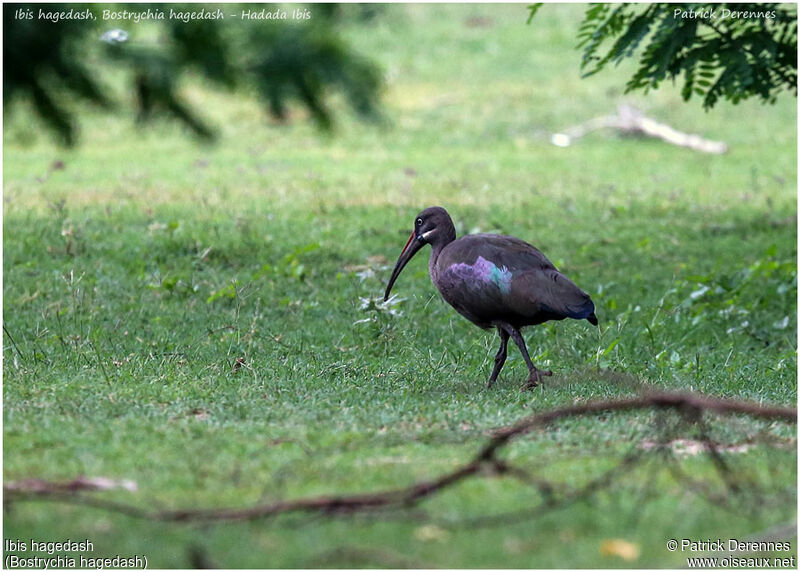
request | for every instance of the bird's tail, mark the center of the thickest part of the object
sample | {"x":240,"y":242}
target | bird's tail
{"x":585,"y":311}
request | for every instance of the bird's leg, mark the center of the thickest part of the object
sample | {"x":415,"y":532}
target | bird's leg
{"x":500,"y":357}
{"x":535,"y":374}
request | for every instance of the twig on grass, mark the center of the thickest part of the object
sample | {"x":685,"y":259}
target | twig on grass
{"x":484,"y":462}
{"x":550,"y":503}
{"x":630,"y":121}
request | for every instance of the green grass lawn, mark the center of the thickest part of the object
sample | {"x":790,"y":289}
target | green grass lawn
{"x":138,"y":274}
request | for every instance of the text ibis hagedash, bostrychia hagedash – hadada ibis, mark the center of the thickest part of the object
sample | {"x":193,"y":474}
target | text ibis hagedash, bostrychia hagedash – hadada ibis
{"x":494,"y":281}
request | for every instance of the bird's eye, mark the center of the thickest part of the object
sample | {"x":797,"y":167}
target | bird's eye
{"x":419,"y":222}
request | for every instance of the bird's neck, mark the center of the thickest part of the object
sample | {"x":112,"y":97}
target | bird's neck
{"x":438,"y":245}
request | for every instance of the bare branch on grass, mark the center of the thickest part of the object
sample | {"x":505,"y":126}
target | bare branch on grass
{"x":485,"y":462}
{"x":630,"y":121}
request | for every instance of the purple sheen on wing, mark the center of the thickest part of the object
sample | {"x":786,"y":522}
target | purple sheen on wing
{"x":484,"y":271}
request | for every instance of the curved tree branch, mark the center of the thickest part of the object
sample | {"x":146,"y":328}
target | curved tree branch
{"x":484,"y":462}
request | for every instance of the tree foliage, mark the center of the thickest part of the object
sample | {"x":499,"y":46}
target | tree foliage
{"x":38,"y":64}
{"x":729,"y":51}
{"x":59,"y":66}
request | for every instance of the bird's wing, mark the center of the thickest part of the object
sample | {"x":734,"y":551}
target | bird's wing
{"x":510,"y":252}
{"x":549,"y":294}
{"x":507,"y":252}
{"x":488,"y":276}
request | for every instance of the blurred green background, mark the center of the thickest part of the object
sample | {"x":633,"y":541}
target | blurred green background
{"x":142,"y":263}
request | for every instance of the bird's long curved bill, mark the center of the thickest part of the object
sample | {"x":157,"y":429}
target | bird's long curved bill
{"x":409,"y":250}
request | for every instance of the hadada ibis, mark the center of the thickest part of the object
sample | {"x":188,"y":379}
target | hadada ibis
{"x":494,"y":281}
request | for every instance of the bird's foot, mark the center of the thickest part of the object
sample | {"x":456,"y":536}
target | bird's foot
{"x":535,"y":378}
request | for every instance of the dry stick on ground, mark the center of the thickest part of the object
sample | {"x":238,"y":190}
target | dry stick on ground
{"x":631,"y":121}
{"x":550,"y":502}
{"x":485,"y":462}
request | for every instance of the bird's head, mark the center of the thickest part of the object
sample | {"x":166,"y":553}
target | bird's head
{"x":431,"y":226}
